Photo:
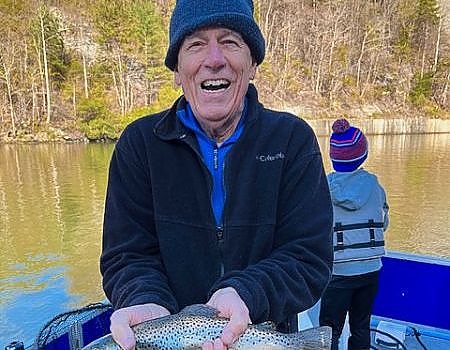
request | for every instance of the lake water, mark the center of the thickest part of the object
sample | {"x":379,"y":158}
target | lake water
{"x":51,"y":208}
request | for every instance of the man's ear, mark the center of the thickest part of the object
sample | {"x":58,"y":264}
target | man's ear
{"x":176,"y":76}
{"x":253,"y":72}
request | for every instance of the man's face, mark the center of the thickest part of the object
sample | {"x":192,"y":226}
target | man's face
{"x":214,"y":69}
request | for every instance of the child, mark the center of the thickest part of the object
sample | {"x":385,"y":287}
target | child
{"x":360,"y":218}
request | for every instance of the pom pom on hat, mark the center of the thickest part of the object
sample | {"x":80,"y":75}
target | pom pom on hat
{"x":190,"y":15}
{"x":348,"y":146}
{"x":340,"y":126}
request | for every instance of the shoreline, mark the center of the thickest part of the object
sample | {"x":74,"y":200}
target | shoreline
{"x":321,"y":127}
{"x":416,"y":125}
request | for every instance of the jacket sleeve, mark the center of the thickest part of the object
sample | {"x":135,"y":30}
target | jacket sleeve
{"x":130,"y":262}
{"x":297,"y":271}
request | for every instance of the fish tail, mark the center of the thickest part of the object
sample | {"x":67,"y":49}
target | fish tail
{"x":318,"y":338}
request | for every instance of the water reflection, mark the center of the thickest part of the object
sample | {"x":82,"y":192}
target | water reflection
{"x":30,"y":298}
{"x":51,"y":208}
{"x":50,"y":229}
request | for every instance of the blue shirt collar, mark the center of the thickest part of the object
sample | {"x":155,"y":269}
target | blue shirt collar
{"x":187,"y":117}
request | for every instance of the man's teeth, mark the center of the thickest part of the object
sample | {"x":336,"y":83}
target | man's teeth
{"x":215,"y":84}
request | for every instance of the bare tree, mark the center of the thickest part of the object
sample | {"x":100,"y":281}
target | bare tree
{"x":42,"y":13}
{"x":6,"y":68}
{"x":438,"y":42}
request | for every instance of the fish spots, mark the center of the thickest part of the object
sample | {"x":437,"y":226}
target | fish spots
{"x":190,"y":328}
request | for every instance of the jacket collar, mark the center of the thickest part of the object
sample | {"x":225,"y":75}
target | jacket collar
{"x":170,"y":127}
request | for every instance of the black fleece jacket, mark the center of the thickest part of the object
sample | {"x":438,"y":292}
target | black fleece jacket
{"x":160,"y":240}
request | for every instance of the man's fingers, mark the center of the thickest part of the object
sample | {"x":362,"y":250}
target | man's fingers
{"x":233,"y":330}
{"x":209,"y":345}
{"x":123,"y":335}
{"x":219,"y":345}
{"x":123,"y":319}
{"x":230,"y":305}
{"x":228,"y":336}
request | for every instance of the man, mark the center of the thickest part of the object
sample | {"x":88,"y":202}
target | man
{"x":216,"y":200}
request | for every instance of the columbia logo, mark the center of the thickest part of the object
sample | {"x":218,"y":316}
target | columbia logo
{"x":270,"y":157}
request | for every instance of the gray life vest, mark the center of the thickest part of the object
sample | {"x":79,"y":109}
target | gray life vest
{"x":358,"y":241}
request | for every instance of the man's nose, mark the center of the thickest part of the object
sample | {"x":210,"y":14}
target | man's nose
{"x":215,"y":58}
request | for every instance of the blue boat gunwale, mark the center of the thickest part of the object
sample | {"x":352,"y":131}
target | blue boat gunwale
{"x":414,"y":288}
{"x":429,"y":259}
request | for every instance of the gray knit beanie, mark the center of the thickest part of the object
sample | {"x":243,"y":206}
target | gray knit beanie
{"x":237,"y":15}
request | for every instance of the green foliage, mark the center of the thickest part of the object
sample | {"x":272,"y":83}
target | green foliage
{"x":167,"y":94}
{"x":73,"y":79}
{"x":98,"y":123}
{"x":341,"y":53}
{"x":406,"y":17}
{"x":415,"y":17}
{"x":90,"y":109}
{"x":428,"y":10}
{"x":133,"y":115}
{"x":166,"y":97}
{"x":12,"y":13}
{"x":148,"y":30}
{"x":45,"y":29}
{"x":135,"y":26}
{"x":108,"y":19}
{"x":421,"y":91}
{"x":421,"y":95}
{"x":404,"y":43}
{"x":95,"y":120}
{"x":100,"y":129}
{"x":349,"y":81}
{"x":158,"y":73}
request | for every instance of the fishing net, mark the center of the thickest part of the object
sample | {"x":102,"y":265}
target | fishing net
{"x":74,"y":329}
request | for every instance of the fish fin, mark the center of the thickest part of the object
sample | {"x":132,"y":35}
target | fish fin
{"x":318,"y":338}
{"x":266,"y":326}
{"x":199,"y":310}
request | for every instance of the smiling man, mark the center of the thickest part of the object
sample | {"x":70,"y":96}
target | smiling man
{"x":214,"y":68}
{"x":217,"y":200}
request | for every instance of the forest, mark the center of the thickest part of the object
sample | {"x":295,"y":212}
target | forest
{"x":75,"y":70}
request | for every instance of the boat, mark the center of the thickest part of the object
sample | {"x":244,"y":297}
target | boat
{"x":411,"y":311}
{"x":412,"y":307}
{"x":413,"y":303}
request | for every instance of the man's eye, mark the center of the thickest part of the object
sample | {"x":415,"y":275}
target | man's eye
{"x":194,"y":44}
{"x":231,"y":42}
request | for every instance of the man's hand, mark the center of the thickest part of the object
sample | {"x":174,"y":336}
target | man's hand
{"x":230,"y":305}
{"x":123,"y":319}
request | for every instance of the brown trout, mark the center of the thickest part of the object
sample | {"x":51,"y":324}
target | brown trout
{"x":196,"y":324}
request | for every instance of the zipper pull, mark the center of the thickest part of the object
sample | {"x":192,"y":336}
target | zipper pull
{"x":216,"y":157}
{"x":219,"y":233}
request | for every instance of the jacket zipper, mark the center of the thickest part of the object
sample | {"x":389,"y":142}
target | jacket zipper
{"x":216,"y":157}
{"x":219,"y":228}
{"x":220,"y":240}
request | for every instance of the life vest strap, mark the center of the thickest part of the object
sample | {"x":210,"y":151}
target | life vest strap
{"x":360,"y":245}
{"x":370,"y":224}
